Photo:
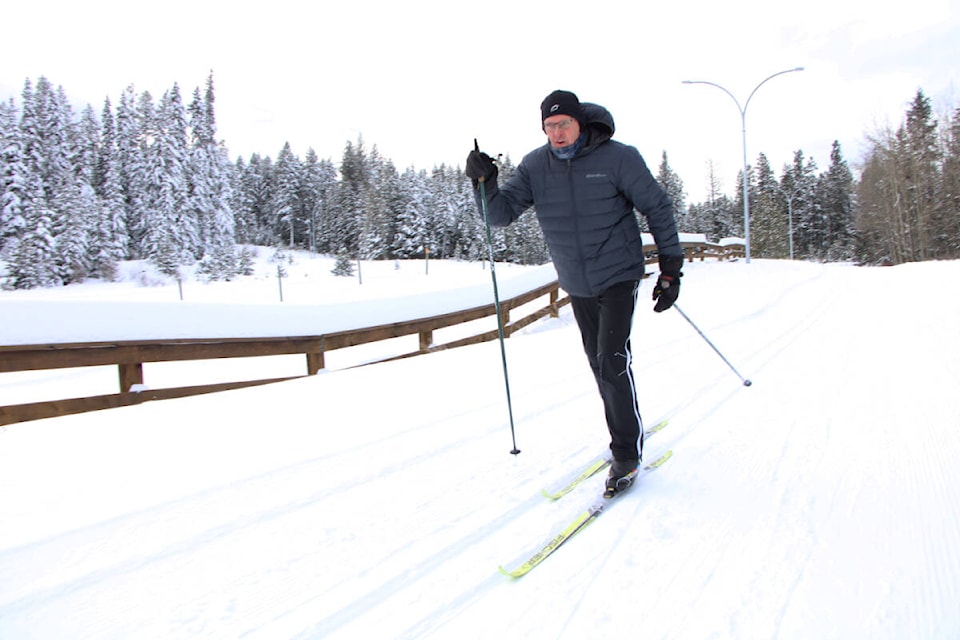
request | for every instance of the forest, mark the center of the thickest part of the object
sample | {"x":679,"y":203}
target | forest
{"x":150,"y":180}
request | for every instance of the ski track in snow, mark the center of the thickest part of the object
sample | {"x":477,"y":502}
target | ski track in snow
{"x":196,"y":524}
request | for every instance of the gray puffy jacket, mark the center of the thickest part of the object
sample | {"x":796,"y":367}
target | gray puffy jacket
{"x":585,"y":207}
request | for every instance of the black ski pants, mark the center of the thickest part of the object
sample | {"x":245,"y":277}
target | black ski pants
{"x":605,"y":322}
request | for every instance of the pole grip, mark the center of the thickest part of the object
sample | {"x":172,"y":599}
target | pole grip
{"x":476,"y":147}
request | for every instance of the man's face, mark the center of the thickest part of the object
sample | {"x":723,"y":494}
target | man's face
{"x":562,"y":130}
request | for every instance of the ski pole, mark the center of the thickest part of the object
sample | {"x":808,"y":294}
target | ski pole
{"x":746,"y":383}
{"x":496,"y":300}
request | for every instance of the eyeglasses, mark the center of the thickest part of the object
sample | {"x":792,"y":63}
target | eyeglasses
{"x":562,"y":125}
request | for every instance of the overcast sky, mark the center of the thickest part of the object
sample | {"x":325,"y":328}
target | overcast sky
{"x":421,"y":79}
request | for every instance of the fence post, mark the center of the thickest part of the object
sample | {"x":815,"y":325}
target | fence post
{"x":131,"y":373}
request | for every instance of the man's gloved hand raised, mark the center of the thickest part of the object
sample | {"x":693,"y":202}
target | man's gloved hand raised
{"x":480,"y":167}
{"x":667,"y":289}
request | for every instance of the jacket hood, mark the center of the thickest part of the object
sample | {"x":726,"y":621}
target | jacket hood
{"x":599,"y":123}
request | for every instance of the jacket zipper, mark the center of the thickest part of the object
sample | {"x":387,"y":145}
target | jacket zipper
{"x":575,"y":214}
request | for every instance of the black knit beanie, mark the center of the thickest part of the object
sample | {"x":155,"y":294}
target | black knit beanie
{"x":561,"y":103}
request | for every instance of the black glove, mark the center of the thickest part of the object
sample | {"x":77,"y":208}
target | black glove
{"x":667,"y":289}
{"x":480,"y":166}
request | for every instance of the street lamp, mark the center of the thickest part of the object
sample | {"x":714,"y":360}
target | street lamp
{"x":743,"y":121}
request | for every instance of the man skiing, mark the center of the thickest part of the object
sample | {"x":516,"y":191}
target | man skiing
{"x":585,"y":187}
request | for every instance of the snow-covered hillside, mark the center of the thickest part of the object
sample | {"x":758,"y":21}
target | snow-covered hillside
{"x":822,"y":502}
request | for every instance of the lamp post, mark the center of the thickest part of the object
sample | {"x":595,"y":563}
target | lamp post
{"x":743,"y":122}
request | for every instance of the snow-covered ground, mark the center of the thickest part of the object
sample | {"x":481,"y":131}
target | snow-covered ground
{"x":822,"y":502}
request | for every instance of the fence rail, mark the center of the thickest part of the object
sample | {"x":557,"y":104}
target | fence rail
{"x":130,"y":356}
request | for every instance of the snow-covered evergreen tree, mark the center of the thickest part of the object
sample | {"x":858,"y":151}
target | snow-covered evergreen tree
{"x":446,"y":210}
{"x":13,"y":179}
{"x":170,"y":231}
{"x":317,"y":188}
{"x":921,"y":156}
{"x":769,"y":232}
{"x":257,"y":184}
{"x":673,"y":185}
{"x":77,"y":212}
{"x":392,"y":196}
{"x":343,"y":226}
{"x":210,"y":190}
{"x":285,"y":210}
{"x":836,"y":196}
{"x":134,"y":126}
{"x":380,"y":208}
{"x":343,"y":266}
{"x":74,"y":200}
{"x":87,"y":147}
{"x":111,"y":239}
{"x":33,"y":263}
{"x":48,"y":152}
{"x":411,"y":223}
{"x":244,"y":220}
{"x":809,"y":224}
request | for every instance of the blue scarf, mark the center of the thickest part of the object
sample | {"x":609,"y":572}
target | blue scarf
{"x":565,"y":153}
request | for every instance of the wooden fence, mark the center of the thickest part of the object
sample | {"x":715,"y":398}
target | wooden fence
{"x":700,"y":250}
{"x":130,"y":356}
